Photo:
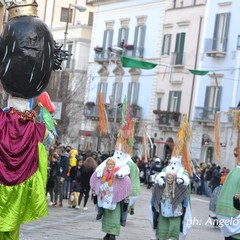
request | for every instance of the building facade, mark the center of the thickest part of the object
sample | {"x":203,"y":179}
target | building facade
{"x":135,"y":28}
{"x":218,"y":90}
{"x":179,"y":51}
{"x":71,"y":28}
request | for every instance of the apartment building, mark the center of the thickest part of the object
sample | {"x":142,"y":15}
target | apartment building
{"x":218,"y":90}
{"x":70,"y":22}
{"x":174,"y":96}
{"x":135,"y":27}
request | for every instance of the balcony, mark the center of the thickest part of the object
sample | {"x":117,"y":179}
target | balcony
{"x":177,"y":59}
{"x":112,"y":112}
{"x":105,"y":55}
{"x":216,"y":47}
{"x":168,"y":118}
{"x":205,"y":114}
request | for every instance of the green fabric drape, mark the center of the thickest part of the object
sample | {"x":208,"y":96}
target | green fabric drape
{"x":24,"y":202}
{"x":198,"y":72}
{"x":136,"y":63}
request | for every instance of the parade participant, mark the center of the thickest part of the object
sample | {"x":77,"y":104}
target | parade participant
{"x":88,"y":168}
{"x":109,"y":188}
{"x":113,"y":219}
{"x":28,"y":56}
{"x":226,"y":212}
{"x":170,"y":198}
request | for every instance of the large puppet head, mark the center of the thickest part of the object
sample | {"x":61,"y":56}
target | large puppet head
{"x":175,"y":165}
{"x":27,"y":51}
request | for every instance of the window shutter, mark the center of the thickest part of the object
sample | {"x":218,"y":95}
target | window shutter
{"x":179,"y":59}
{"x":219,"y":95}
{"x":126,"y":35}
{"x":182,"y":42}
{"x":120,"y":87}
{"x":163,"y":45}
{"x":142,"y":41}
{"x":159,"y":103}
{"x":169,"y":100}
{"x":177,"y":42}
{"x":120,"y":37}
{"x":114,"y":90}
{"x":169,"y":43}
{"x":215,"y":33}
{"x":129,"y":92}
{"x":104,"y":39}
{"x":179,"y":95}
{"x":136,"y":92}
{"x":90,"y":18}
{"x":226,"y":32}
{"x":105,"y":85}
{"x":98,"y":90}
{"x":135,"y":40}
{"x":110,"y":40}
{"x":207,"y":95}
{"x":68,"y":63}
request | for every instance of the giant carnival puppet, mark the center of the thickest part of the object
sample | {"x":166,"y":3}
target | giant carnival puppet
{"x":170,"y":201}
{"x":227,"y":214}
{"x":28,"y":56}
{"x":115,"y":181}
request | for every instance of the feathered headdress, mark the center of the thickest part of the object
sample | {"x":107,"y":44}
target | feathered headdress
{"x":125,"y":139}
{"x":181,"y":145}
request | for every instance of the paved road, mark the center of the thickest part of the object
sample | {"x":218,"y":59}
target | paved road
{"x":77,"y":224}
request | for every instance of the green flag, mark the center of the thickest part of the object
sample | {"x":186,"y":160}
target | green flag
{"x":198,"y":72}
{"x":48,"y":119}
{"x":136,"y":63}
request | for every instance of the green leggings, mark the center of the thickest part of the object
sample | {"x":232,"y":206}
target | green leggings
{"x":13,"y":235}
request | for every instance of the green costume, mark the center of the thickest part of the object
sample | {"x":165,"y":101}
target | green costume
{"x":111,"y":218}
{"x":225,"y":206}
{"x":24,"y":202}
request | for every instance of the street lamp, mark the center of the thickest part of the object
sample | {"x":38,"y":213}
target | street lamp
{"x":80,"y":8}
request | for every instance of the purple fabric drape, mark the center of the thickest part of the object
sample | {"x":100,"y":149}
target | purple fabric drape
{"x":121,"y":187}
{"x":18,"y":148}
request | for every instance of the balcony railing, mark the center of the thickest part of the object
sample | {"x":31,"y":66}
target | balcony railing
{"x":168,"y":118}
{"x":216,"y":46}
{"x":205,"y":113}
{"x":112,"y":112}
{"x":105,"y":55}
{"x":94,"y":1}
{"x":177,"y":59}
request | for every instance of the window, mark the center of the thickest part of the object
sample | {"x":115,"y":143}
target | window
{"x":117,"y":92}
{"x":102,"y":87}
{"x":90,"y":18}
{"x":133,"y":91}
{"x":64,"y":15}
{"x":159,"y":100}
{"x":174,"y":101}
{"x":68,"y":63}
{"x":107,"y":38}
{"x":179,"y":48}
{"x":166,"y":44}
{"x":123,"y":35}
{"x":220,"y":35}
{"x":139,"y":40}
{"x":238,"y":42}
{"x":213,"y":98}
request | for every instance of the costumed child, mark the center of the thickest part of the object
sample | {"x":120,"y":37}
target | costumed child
{"x":28,"y":56}
{"x":125,"y":183}
{"x":105,"y":196}
{"x":170,"y":198}
{"x":110,"y":190}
